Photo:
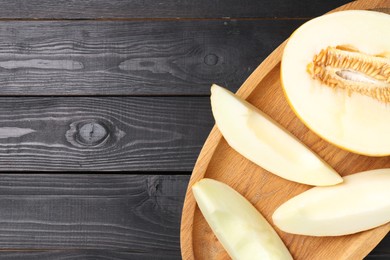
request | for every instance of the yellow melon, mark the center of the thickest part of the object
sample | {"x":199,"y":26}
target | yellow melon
{"x":241,"y":229}
{"x":360,"y":203}
{"x":263,"y":141}
{"x":335,"y":72}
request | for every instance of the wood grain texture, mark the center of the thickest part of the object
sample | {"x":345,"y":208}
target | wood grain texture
{"x":88,"y":254}
{"x":138,"y":214}
{"x":133,"y":57}
{"x":92,"y":9}
{"x":102,"y":133}
{"x":267,"y":191}
{"x":95,"y":216}
{"x":97,"y":254}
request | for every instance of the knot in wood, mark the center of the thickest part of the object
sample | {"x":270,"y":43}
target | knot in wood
{"x":211,"y":59}
{"x":91,"y":133}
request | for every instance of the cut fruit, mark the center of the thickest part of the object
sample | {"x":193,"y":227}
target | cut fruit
{"x":261,"y":140}
{"x":360,"y":203}
{"x":241,"y":229}
{"x":335,"y":73}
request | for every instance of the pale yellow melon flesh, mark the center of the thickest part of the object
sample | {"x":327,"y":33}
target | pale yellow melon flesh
{"x":261,"y":140}
{"x":360,"y":203}
{"x":241,"y":229}
{"x":354,"y":115}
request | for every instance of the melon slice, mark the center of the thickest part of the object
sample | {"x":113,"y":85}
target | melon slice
{"x":241,"y":229}
{"x":261,"y":140}
{"x":335,"y":72}
{"x":360,"y":203}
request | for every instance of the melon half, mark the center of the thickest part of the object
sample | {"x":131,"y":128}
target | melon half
{"x":335,"y":72}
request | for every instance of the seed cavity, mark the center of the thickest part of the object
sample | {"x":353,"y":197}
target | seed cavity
{"x":345,"y":67}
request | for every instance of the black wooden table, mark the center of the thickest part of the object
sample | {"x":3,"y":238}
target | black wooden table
{"x":104,"y":107}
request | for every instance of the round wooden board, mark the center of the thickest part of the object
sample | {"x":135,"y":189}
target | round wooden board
{"x":266,"y":191}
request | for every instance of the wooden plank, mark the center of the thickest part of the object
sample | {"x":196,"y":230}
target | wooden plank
{"x":139,"y":214}
{"x":104,"y":133}
{"x":96,"y":216}
{"x":133,"y":57}
{"x":95,"y":254}
{"x":64,"y":9}
{"x":112,"y":255}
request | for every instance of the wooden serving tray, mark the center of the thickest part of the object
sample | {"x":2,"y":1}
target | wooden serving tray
{"x":266,"y":191}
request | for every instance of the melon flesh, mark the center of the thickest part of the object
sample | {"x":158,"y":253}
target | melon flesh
{"x":261,"y":140}
{"x":348,"y":119}
{"x":360,"y":203}
{"x":242,"y":230}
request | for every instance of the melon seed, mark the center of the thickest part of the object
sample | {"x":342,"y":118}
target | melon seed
{"x":344,"y":67}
